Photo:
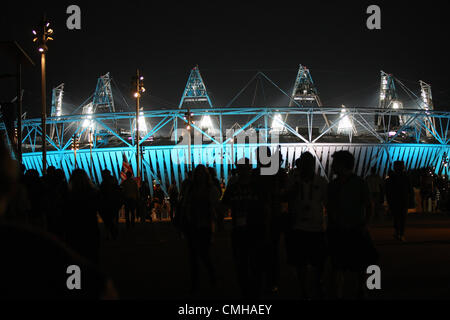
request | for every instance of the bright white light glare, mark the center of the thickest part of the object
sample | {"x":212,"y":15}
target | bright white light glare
{"x":425,"y":99}
{"x":345,"y":124}
{"x":206,"y":122}
{"x":392,"y":133}
{"x":142,"y":123}
{"x":277,"y":123}
{"x":88,"y":122}
{"x":395,"y":105}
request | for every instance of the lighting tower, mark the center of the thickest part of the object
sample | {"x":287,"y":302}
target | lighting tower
{"x":305,"y":91}
{"x":103,"y":100}
{"x":41,"y":37}
{"x":56,"y":111}
{"x":388,"y":100}
{"x":195,"y":90}
{"x":138,"y":89}
{"x":427,"y":105}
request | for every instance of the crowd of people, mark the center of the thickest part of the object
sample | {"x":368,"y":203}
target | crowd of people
{"x":321,"y":222}
{"x":324,"y":224}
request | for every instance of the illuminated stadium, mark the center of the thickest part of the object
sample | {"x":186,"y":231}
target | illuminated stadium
{"x":403,"y":126}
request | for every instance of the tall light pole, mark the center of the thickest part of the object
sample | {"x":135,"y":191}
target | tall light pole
{"x":91,"y":144}
{"x":188,"y":117}
{"x":41,"y":36}
{"x":138,"y":88}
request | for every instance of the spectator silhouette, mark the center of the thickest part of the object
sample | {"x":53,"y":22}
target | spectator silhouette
{"x":158,"y":200}
{"x":426,"y":190}
{"x":400,"y":196}
{"x":199,"y":216}
{"x":173,"y":199}
{"x":82,"y":232}
{"x":272,"y":187}
{"x":130,"y":195}
{"x":35,"y":266}
{"x":110,"y":203}
{"x":306,"y":243}
{"x":56,"y":194}
{"x":143,"y":208}
{"x":349,"y":208}
{"x":218,"y":208}
{"x":376,"y":190}
{"x":36,"y":196}
{"x":242,"y":198}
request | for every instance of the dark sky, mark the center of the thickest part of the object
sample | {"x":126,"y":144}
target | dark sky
{"x":232,"y":41}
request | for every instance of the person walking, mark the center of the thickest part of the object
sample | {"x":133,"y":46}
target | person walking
{"x":306,"y":242}
{"x":242,"y":198}
{"x":376,"y":191}
{"x":349,"y":209}
{"x":130,"y":194}
{"x":199,"y":218}
{"x":110,"y":203}
{"x":400,"y":197}
{"x":82,"y":232}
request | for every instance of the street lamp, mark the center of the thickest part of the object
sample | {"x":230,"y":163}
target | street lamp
{"x":138,"y":89}
{"x":41,"y":36}
{"x":188,"y":117}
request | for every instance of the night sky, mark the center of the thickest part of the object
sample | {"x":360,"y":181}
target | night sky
{"x":230,"y":42}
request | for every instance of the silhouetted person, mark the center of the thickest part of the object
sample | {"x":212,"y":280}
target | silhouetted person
{"x":36,"y":195}
{"x":349,"y":209}
{"x":272,"y":179}
{"x":180,"y":217}
{"x":376,"y":190}
{"x":198,"y":210}
{"x":219,"y":209}
{"x":143,"y":208}
{"x":56,"y":194}
{"x":400,"y":196}
{"x":306,"y":239}
{"x":173,"y":199}
{"x":34,"y":263}
{"x":110,"y":203}
{"x":19,"y":206}
{"x":426,"y":190}
{"x":242,"y":198}
{"x":158,"y":200}
{"x":130,"y":195}
{"x":82,"y":231}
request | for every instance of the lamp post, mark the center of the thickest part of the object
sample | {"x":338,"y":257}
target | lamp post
{"x":138,"y":88}
{"x":41,"y":36}
{"x":91,"y":144}
{"x":188,"y":117}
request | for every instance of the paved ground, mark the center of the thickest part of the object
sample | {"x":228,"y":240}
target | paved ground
{"x":150,"y":262}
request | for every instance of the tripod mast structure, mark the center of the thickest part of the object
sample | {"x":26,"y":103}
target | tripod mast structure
{"x":427,"y":105}
{"x":305,"y":91}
